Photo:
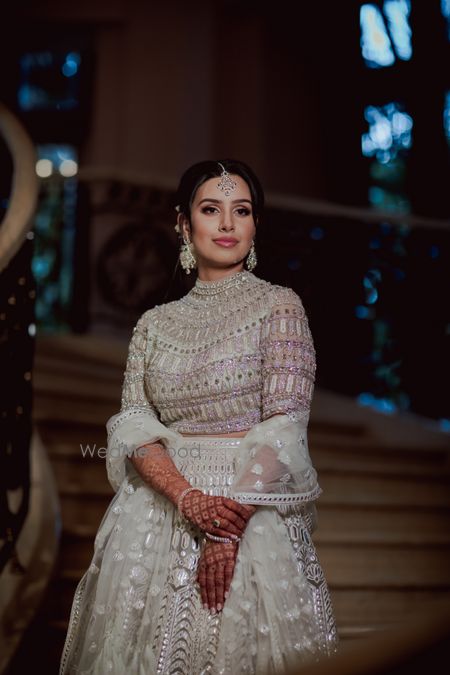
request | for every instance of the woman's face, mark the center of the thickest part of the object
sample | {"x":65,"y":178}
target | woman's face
{"x":216,"y":218}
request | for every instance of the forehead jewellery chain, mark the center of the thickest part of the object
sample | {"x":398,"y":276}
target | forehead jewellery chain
{"x":226,"y":184}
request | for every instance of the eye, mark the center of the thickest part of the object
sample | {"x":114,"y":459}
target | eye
{"x":243,"y":211}
{"x":208,"y":209}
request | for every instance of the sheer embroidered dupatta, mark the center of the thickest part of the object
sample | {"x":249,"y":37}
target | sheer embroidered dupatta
{"x":274,"y":465}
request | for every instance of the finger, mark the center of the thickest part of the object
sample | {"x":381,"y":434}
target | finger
{"x":220,"y":586}
{"x":238,"y":508}
{"x":232,"y":517}
{"x":227,"y":529}
{"x":202,"y":582}
{"x":211,"y":587}
{"x":210,"y":529}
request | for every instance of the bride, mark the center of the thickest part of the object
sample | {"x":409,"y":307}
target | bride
{"x":203,"y":561}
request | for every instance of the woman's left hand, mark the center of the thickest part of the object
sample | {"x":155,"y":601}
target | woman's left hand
{"x":215,"y":572}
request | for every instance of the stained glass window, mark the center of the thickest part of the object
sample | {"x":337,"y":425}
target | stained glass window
{"x":390,"y":131}
{"x":387,"y":141}
{"x":445,"y":8}
{"x":447,"y":116}
{"x":54,"y":229}
{"x":385,"y":33}
{"x":49,"y":80}
{"x":397,"y":14}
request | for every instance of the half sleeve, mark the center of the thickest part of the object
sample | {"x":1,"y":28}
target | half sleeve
{"x":274,"y":465}
{"x":138,"y":421}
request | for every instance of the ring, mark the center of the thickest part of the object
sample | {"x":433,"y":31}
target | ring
{"x":216,"y":522}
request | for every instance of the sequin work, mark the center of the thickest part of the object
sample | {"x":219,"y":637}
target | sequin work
{"x":227,"y":355}
{"x":231,"y":355}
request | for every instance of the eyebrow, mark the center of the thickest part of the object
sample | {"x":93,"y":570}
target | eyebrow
{"x":219,"y":201}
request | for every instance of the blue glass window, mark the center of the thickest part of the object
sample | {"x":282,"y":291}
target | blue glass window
{"x":447,"y":116}
{"x":445,"y":8}
{"x":385,"y":33}
{"x":54,"y":230}
{"x":390,"y":131}
{"x":49,"y":80}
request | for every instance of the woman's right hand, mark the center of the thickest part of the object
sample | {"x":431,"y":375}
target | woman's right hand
{"x":231,"y":517}
{"x":215,"y":573}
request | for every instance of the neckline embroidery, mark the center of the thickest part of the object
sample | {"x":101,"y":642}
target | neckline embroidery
{"x":211,"y":288}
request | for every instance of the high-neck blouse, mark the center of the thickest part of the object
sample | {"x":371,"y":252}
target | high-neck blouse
{"x":227,"y":355}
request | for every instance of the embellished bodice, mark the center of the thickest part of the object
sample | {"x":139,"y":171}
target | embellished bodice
{"x":225,"y":356}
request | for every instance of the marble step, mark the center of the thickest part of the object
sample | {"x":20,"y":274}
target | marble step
{"x":75,"y":369}
{"x":383,"y":607}
{"x":382,"y":460}
{"x":54,"y":383}
{"x":78,"y":408}
{"x":71,"y":432}
{"x":383,"y":525}
{"x":92,"y":349}
{"x":88,"y":474}
{"x":390,"y":566}
{"x":359,"y":489}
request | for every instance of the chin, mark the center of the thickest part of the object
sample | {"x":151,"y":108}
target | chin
{"x":224,"y":258}
{"x":224,"y":263}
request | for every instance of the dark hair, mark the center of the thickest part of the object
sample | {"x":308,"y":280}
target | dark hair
{"x":199,"y":173}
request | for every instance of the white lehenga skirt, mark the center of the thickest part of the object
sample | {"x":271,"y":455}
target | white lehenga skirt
{"x":138,"y":610}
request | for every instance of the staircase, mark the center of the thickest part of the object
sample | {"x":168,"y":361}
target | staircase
{"x":383,"y":536}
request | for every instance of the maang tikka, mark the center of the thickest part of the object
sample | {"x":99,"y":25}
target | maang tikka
{"x":226,"y":184}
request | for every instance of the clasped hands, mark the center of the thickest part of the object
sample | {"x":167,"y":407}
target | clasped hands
{"x":222,"y":517}
{"x":216,"y":516}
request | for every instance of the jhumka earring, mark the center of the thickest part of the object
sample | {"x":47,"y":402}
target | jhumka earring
{"x":251,"y":258}
{"x":187,"y":259}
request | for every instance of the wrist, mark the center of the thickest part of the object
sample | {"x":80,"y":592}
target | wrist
{"x":182,"y":494}
{"x":151,"y":444}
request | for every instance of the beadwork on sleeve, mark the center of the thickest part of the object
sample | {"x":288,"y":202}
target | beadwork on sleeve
{"x":134,"y":394}
{"x":289,"y":358}
{"x":138,"y":421}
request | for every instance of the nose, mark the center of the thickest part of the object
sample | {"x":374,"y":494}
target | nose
{"x":227,"y":222}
